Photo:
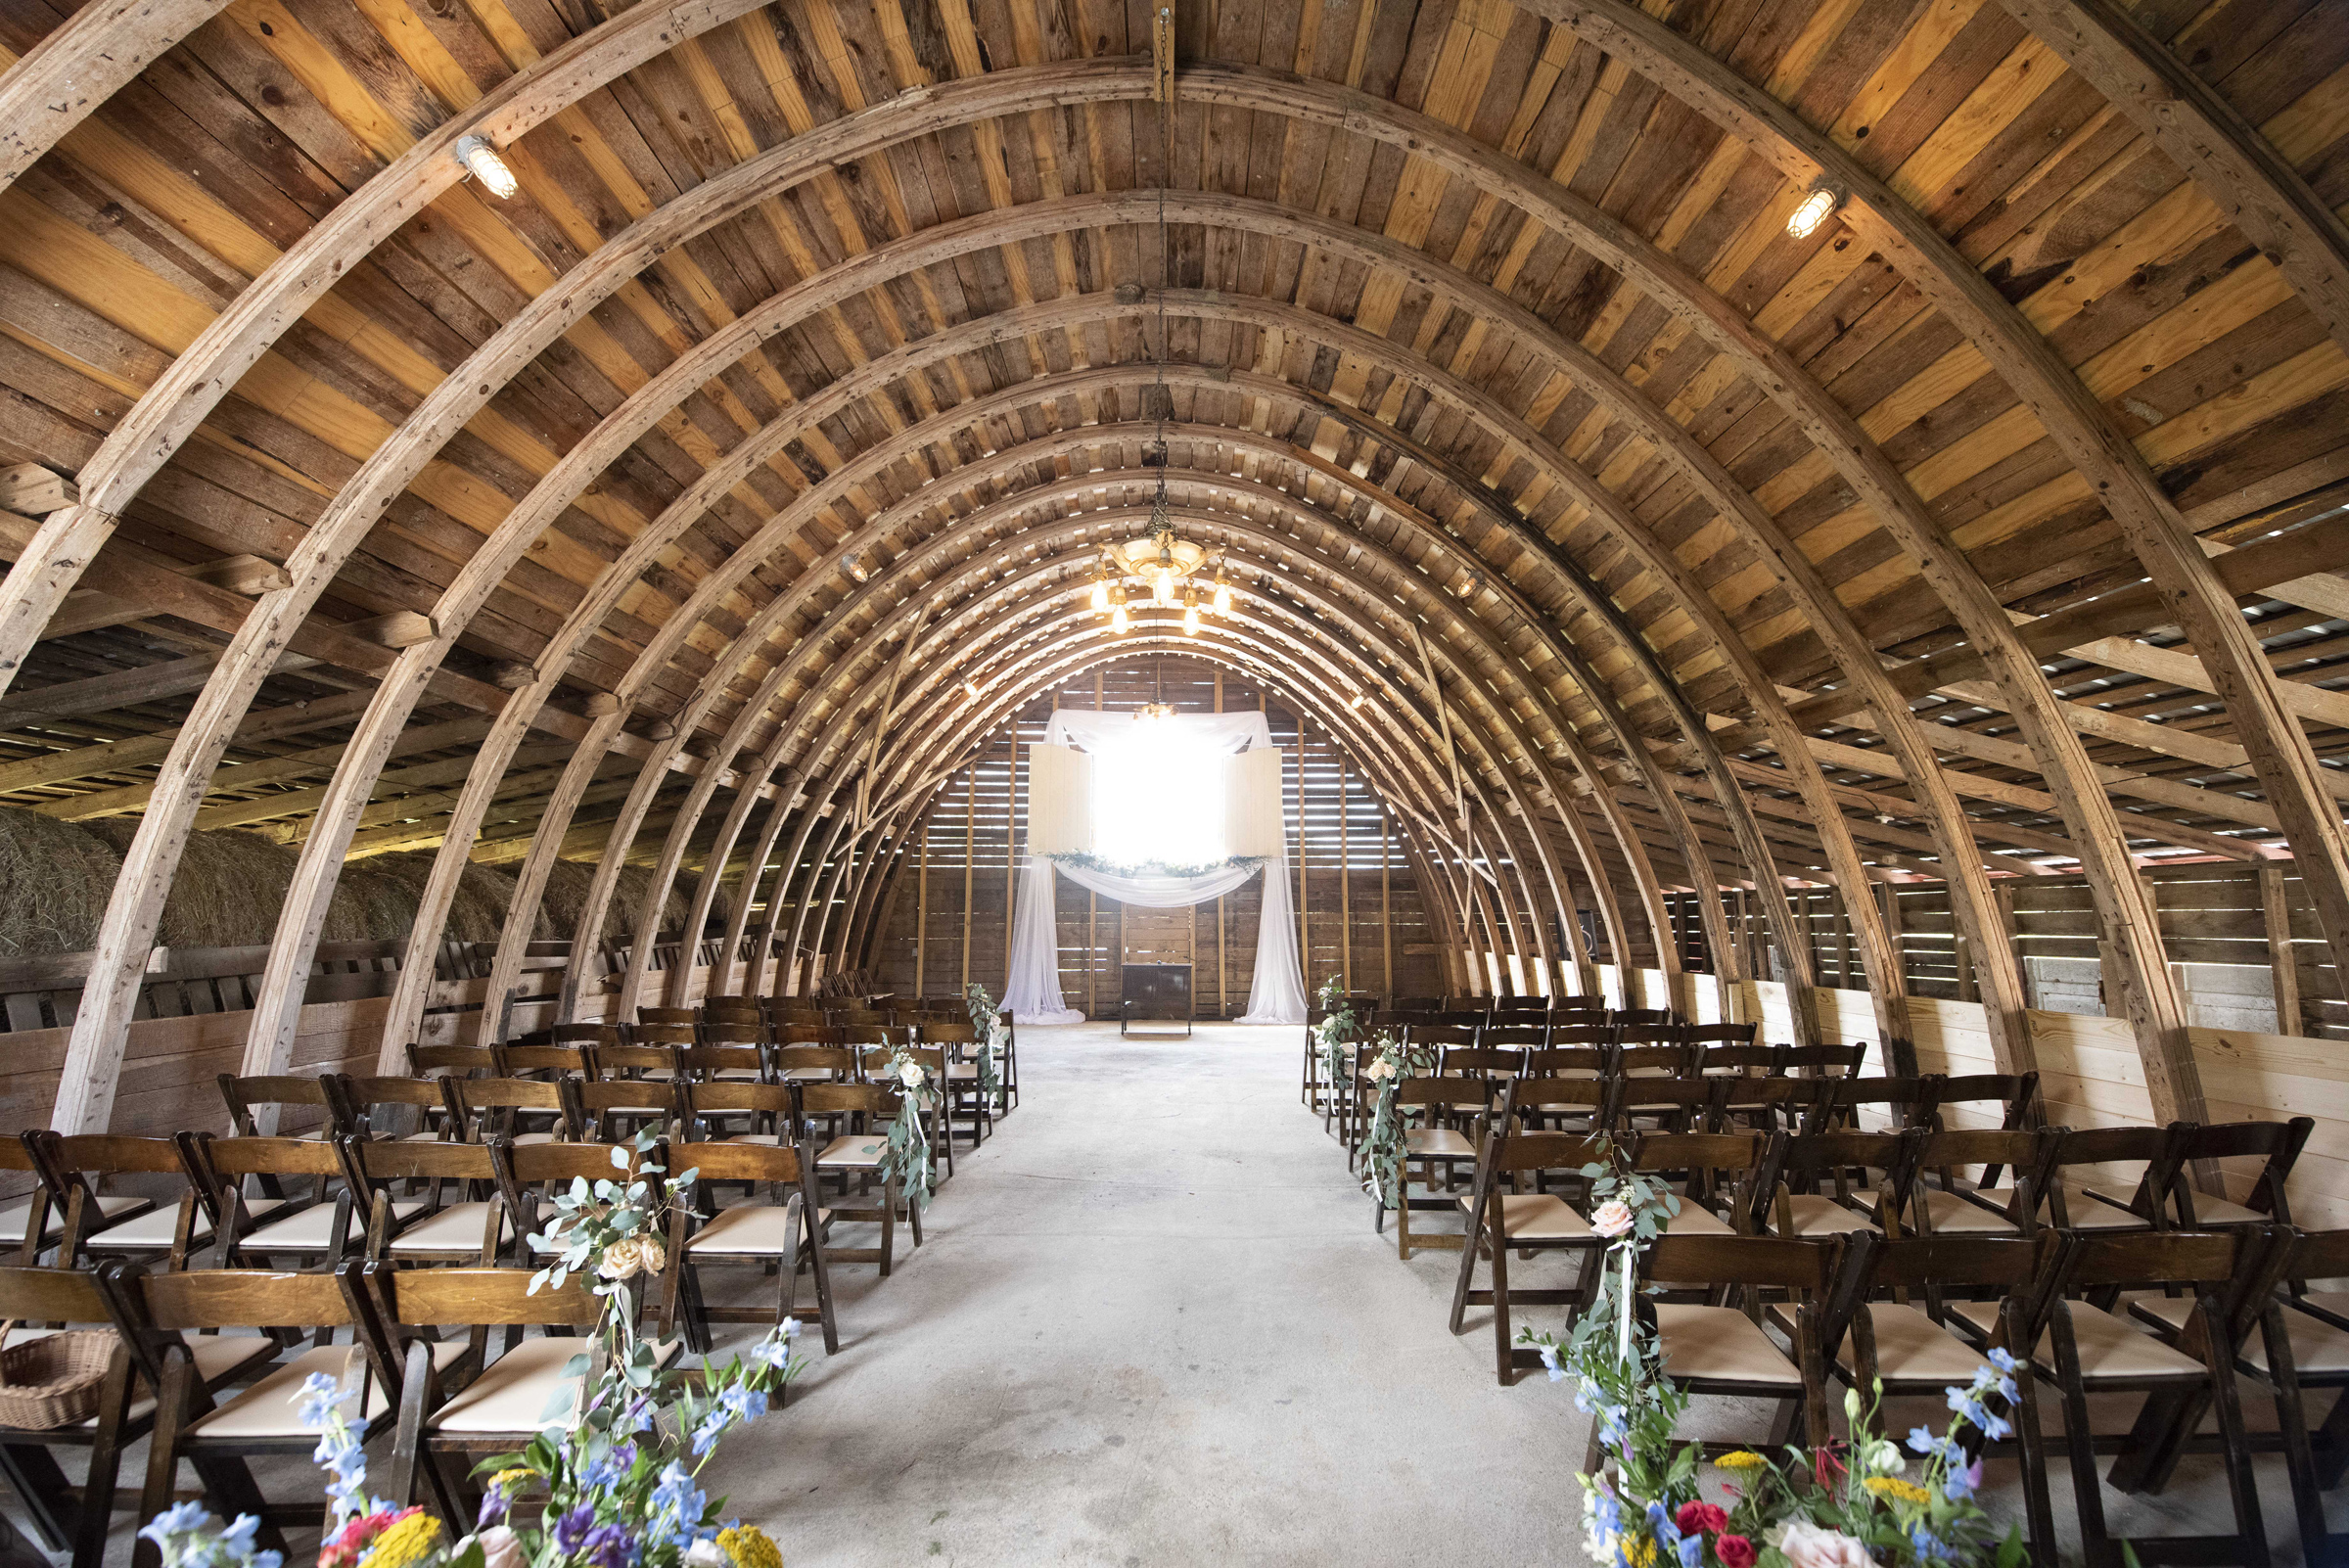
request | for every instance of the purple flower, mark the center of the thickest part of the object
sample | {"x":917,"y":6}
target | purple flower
{"x":572,"y":1529}
{"x":610,"y":1545}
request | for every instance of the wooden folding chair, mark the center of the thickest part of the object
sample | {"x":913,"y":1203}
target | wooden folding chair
{"x":31,"y":1225}
{"x":1583,"y":1106}
{"x":685,"y":1018}
{"x":176,"y":1316}
{"x":253,"y":1100}
{"x":1665,"y":1104}
{"x":314,"y":1228}
{"x":1456,"y":1110}
{"x":1718,"y":1174}
{"x":783,"y":1235}
{"x":1510,"y":1211}
{"x":2083,"y":1350}
{"x":471,"y":1226}
{"x":361,"y":1105}
{"x":725,"y":1064}
{"x":2008,"y":1101}
{"x":77,"y":1171}
{"x":2100,"y":1202}
{"x":458,"y":1061}
{"x":1824,"y":1061}
{"x":530,"y":1177}
{"x":1914,"y":1349}
{"x":525,"y":1110}
{"x":958,"y":1040}
{"x":862,"y":1153}
{"x":1796,"y":1209}
{"x":649,"y":1057}
{"x":1996,"y":1204}
{"x":1733,"y":1061}
{"x":614,"y":1110}
{"x":1791,"y":1105}
{"x":541,"y":1061}
{"x":70,"y":1518}
{"x":2275,"y":1145}
{"x":444,"y":1423}
{"x":1566,"y":1061}
{"x":746,"y":1113}
{"x":1724,"y":1350}
{"x":1898,"y":1102}
{"x":1730,"y":1036}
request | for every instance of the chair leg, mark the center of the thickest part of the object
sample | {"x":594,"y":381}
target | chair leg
{"x":2291,"y":1419}
{"x":106,"y":1463}
{"x":1504,"y":1361}
{"x":2242,"y":1484}
{"x":35,"y":1476}
{"x":163,"y":1450}
{"x":2080,"y":1442}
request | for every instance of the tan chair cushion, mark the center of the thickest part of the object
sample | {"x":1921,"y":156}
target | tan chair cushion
{"x":1818,"y":1214}
{"x":1439,"y":1142}
{"x":865,"y":1151}
{"x":2215,"y":1211}
{"x":1913,"y":1347}
{"x":751,"y":1230}
{"x":110,"y":1205}
{"x":455,"y":1231}
{"x":155,"y":1230}
{"x":267,"y":1410}
{"x":2318,"y":1348}
{"x":1540,"y":1217}
{"x":512,"y":1394}
{"x":1695,"y":1219}
{"x":1720,"y":1344}
{"x":1953,"y":1215}
{"x":771,"y":1140}
{"x":310,"y":1230}
{"x":2109,"y":1348}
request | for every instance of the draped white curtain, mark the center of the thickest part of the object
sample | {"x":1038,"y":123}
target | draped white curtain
{"x":1277,"y":994}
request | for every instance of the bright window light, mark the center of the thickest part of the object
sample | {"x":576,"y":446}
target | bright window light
{"x":1158,"y":796}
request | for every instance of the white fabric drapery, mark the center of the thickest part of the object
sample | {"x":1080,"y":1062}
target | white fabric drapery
{"x":1277,"y":996}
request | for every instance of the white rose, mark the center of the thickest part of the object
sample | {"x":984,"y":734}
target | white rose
{"x":500,"y":1548}
{"x":1809,"y":1546}
{"x":910,"y":1075}
{"x":627,"y":1256}
{"x":707,"y":1554}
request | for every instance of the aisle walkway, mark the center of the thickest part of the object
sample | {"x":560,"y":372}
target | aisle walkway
{"x":1152,"y":1326}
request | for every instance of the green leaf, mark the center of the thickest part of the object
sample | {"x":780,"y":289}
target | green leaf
{"x":620,"y":1157}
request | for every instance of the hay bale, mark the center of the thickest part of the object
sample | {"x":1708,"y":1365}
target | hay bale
{"x":229,"y":889}
{"x":55,"y":878}
{"x":477,"y":912}
{"x":566,"y":886}
{"x":383,"y":902}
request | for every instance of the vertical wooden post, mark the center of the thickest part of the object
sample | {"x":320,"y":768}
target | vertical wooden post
{"x":2003,"y":897}
{"x":921,"y":913}
{"x":1222,"y":974}
{"x":1802,"y":928}
{"x":970,"y":847}
{"x":1305,"y":945}
{"x":1011,"y":853}
{"x":2277,"y":915}
{"x":1843,"y":941}
{"x":1386,"y":905}
{"x":1345,"y":884}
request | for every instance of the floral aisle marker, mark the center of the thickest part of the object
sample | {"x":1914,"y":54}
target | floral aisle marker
{"x":1338,"y":1029}
{"x":1851,"y":1505}
{"x":618,"y":1463}
{"x":908,"y":1156}
{"x":1383,"y":1146}
{"x":986,"y":1021}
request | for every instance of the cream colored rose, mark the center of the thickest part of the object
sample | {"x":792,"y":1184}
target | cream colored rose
{"x":631,"y":1254}
{"x":500,"y":1548}
{"x":1612,"y":1219}
{"x":910,"y":1075}
{"x":1809,"y":1546}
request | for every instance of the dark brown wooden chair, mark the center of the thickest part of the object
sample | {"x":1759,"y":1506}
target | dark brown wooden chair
{"x":460,"y":1061}
{"x":253,"y":1100}
{"x":748,"y":1113}
{"x":1835,"y":1184}
{"x":1454,"y":1113}
{"x":1510,"y":1210}
{"x":33,"y":1223}
{"x":525,"y":1110}
{"x":302,"y":1209}
{"x":78,"y":1173}
{"x":2000,"y":1200}
{"x":859,"y":1155}
{"x":1711,"y":1349}
{"x":361,"y":1107}
{"x":542,"y":1061}
{"x":785,"y":1234}
{"x":463,"y":1219}
{"x":615,"y":1110}
{"x":2277,"y":1145}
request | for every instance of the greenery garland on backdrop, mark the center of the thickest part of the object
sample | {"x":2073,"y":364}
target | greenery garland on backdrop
{"x":1086,"y":860}
{"x":621,"y":1456}
{"x":1850,"y":1505}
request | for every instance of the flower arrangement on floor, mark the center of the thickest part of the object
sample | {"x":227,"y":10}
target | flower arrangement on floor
{"x":1383,"y":1143}
{"x":908,"y":1156}
{"x":986,"y":1021}
{"x":1086,"y":860}
{"x":1851,"y":1505}
{"x":620,"y":1458}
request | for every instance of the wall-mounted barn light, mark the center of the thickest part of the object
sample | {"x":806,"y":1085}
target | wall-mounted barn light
{"x":482,"y":161}
{"x":1815,"y":208}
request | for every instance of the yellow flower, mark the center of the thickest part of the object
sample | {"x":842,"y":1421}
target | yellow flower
{"x":504,"y":1479}
{"x":1893,"y":1489}
{"x":1639,"y":1552}
{"x":1742,"y":1459}
{"x":403,"y":1542}
{"x":747,"y":1546}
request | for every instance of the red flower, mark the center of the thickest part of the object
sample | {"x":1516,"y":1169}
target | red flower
{"x":345,"y":1547}
{"x":1735,"y":1552}
{"x":1700,"y":1518}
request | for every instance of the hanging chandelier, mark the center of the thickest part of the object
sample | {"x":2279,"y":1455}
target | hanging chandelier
{"x":1169,"y":566}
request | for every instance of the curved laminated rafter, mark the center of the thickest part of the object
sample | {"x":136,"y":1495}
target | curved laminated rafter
{"x":1661,"y":535}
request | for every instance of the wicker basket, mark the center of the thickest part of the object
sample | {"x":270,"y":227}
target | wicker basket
{"x":53,"y":1381}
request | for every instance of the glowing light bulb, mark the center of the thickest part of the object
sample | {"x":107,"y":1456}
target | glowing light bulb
{"x":1162,"y":588}
{"x":1100,"y":594}
{"x":854,"y":565}
{"x":1117,"y":620}
{"x":1358,"y":701}
{"x":1815,"y":208}
{"x":1223,"y":597}
{"x":971,"y":689}
{"x":1190,"y":619}
{"x":482,"y":161}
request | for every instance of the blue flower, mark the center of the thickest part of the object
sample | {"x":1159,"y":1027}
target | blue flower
{"x":240,"y":1533}
{"x":572,"y":1530}
{"x":1961,"y":1481}
{"x":2002,"y":1361}
{"x":611,"y":1546}
{"x":177,"y":1519}
{"x":677,"y":1503}
{"x":610,"y":1467}
{"x":320,"y":1394}
{"x":1929,"y":1546}
{"x":742,"y":1402}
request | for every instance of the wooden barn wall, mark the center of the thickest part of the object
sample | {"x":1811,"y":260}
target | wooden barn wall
{"x":1362,"y":917}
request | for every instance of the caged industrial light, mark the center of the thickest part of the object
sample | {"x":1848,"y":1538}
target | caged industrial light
{"x":482,"y":161}
{"x":1815,"y":208}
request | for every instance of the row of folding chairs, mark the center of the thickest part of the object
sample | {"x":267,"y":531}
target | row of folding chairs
{"x":1586,"y":1031}
{"x":209,"y":1365}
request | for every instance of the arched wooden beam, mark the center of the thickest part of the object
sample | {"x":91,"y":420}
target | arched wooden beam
{"x":168,"y":412}
{"x":2124,"y":484}
{"x":88,"y":58}
{"x":2208,"y":137}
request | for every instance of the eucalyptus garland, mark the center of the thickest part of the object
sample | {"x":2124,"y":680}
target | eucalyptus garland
{"x":908,"y":1156}
{"x":1383,"y":1146}
{"x":986,"y":1021}
{"x":1338,"y":1027}
{"x":1090,"y":861}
